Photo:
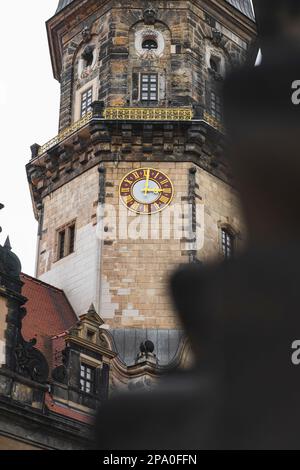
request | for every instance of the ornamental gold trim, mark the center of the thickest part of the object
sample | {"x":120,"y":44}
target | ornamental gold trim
{"x":146,"y":213}
{"x":149,"y":114}
{"x":122,"y":114}
{"x":212,"y":121}
{"x":66,"y":133}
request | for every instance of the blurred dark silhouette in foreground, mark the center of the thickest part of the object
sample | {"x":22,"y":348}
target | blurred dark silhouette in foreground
{"x":278,"y":26}
{"x":243,"y":316}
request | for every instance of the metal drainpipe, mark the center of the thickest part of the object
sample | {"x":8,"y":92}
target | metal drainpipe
{"x":40,"y":208}
{"x":99,"y":232}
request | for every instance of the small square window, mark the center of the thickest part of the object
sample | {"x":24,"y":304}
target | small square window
{"x":149,"y":87}
{"x":61,"y":244}
{"x":216,"y":107}
{"x":86,"y":102}
{"x":215,"y":64}
{"x":227,"y":244}
{"x":87,"y":379}
{"x":90,"y":335}
{"x":66,"y":241}
{"x":71,"y":239}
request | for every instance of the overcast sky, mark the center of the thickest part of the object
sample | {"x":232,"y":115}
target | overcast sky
{"x":29,"y":100}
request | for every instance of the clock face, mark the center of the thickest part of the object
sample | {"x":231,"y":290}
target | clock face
{"x":146,"y":191}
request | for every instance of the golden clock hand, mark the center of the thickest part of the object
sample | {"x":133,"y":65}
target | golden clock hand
{"x":154,"y":190}
{"x":147,"y":182}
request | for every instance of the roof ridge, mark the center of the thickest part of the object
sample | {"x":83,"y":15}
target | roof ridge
{"x":39,"y":281}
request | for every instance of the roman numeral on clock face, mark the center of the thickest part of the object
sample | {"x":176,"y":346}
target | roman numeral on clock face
{"x":135,"y":206}
{"x":164,"y":199}
{"x":129,"y":199}
{"x":146,"y":191}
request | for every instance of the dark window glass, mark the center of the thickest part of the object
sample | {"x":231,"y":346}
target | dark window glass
{"x":89,"y":59}
{"x":149,"y":44}
{"x":71,"y":239}
{"x":88,"y":55}
{"x":214,"y":65}
{"x":66,"y":240}
{"x":216,"y":106}
{"x":149,"y":87}
{"x":227,"y":244}
{"x":61,"y":244}
{"x":87,"y":379}
{"x":86,"y":102}
{"x":90,"y":335}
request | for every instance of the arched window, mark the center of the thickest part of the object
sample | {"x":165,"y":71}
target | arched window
{"x":149,"y":44}
{"x":228,"y":242}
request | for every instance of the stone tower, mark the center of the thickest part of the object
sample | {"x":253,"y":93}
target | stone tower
{"x":139,"y":152}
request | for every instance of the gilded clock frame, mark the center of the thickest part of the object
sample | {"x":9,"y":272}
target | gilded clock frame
{"x":145,"y":213}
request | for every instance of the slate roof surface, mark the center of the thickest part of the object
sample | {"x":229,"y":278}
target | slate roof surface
{"x":243,"y":6}
{"x":128,"y":340}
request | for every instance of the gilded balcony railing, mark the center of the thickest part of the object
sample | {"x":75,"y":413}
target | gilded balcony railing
{"x":66,"y":133}
{"x":149,"y":114}
{"x":212,"y":121}
{"x":131,"y":114}
{"x":114,"y":114}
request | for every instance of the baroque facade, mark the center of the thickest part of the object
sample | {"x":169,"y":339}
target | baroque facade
{"x":139,"y":152}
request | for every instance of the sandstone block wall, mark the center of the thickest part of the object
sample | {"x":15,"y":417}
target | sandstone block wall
{"x":127,"y":279}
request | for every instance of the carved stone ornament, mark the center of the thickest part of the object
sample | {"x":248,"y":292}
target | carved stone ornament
{"x":30,"y":362}
{"x":149,"y":33}
{"x":146,"y":353}
{"x":216,"y":37}
{"x":103,"y":342}
{"x":150,"y":15}
{"x":86,"y":34}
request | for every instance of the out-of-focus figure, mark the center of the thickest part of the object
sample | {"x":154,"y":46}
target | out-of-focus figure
{"x":278,"y":24}
{"x":242,"y":317}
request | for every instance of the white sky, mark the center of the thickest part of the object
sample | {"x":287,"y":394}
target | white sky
{"x":29,"y":103}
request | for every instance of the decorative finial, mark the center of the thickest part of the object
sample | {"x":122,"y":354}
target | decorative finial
{"x":92,"y":309}
{"x":147,"y":353}
{"x":7,"y":244}
{"x":147,"y":347}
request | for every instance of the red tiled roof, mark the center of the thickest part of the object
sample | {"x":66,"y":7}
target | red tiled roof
{"x":49,"y":314}
{"x":66,"y":411}
{"x":49,"y":317}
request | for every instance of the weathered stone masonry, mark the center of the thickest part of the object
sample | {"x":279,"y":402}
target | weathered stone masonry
{"x":98,"y":46}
